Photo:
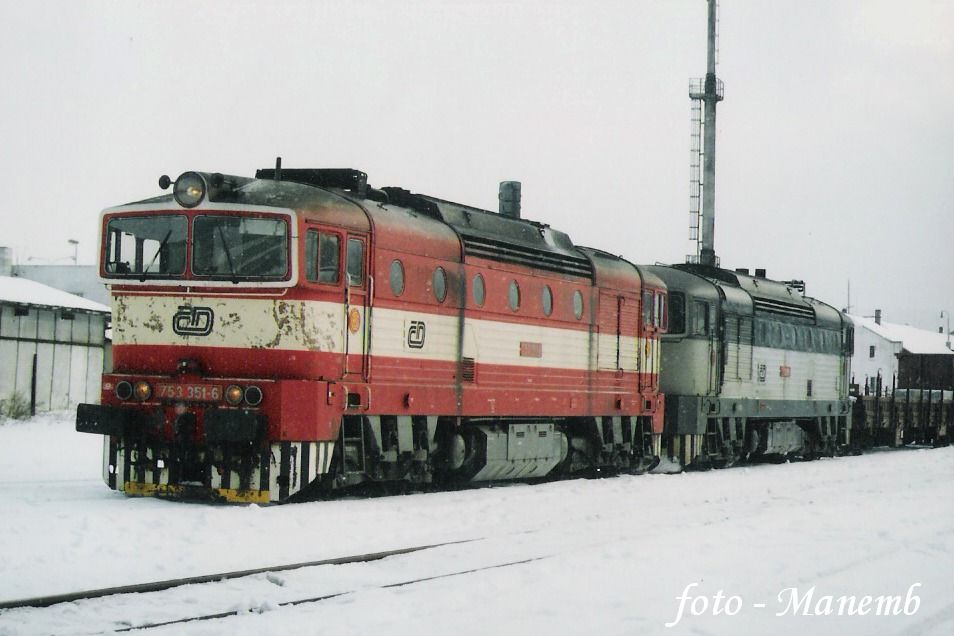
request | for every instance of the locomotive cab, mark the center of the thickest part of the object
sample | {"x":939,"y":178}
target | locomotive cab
{"x":227,"y":353}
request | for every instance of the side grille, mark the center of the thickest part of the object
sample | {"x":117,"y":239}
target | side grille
{"x":525,"y":255}
{"x":467,"y":370}
{"x":782,"y":308}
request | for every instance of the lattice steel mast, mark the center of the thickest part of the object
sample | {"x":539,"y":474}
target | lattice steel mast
{"x":705,"y":94}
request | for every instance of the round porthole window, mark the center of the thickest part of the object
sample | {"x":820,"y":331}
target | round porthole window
{"x":514,"y":295}
{"x":578,"y":304}
{"x":440,"y":284}
{"x":547,"y":300}
{"x":480,"y":292}
{"x":397,"y":278}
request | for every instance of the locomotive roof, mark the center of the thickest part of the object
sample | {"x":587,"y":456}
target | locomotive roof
{"x":768,"y":295}
{"x":487,"y":234}
{"x":345,"y":196}
{"x":762,"y":294}
{"x":617,"y":272}
{"x":263,"y":192}
{"x":483,"y":233}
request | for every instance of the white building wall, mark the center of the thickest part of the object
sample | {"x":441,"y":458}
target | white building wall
{"x":69,"y":356}
{"x":865,"y":367}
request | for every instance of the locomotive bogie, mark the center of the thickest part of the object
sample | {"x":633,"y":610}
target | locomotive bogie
{"x":424,"y":449}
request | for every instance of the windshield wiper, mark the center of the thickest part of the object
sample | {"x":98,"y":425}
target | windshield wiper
{"x":228,"y":255}
{"x":142,"y":278}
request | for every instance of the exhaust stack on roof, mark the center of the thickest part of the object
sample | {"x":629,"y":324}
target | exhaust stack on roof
{"x":509,"y":198}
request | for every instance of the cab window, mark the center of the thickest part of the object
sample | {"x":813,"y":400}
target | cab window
{"x":147,"y":246}
{"x":700,"y":318}
{"x":677,"y":312}
{"x":321,"y":257}
{"x":661,"y":317}
{"x":226,"y":247}
{"x":355,"y":262}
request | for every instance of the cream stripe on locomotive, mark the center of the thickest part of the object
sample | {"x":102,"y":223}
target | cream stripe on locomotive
{"x":780,"y":374}
{"x":213,"y":321}
{"x":487,"y":341}
{"x":137,"y":471}
{"x":297,"y":325}
{"x":506,"y":343}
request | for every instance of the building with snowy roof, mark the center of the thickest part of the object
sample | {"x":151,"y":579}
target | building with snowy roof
{"x":52,"y":345}
{"x":909,"y":357}
{"x":79,"y":280}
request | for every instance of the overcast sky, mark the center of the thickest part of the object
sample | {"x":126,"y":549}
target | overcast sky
{"x":835,"y":138}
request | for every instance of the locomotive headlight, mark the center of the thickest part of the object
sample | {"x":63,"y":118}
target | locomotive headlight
{"x":253,"y":396}
{"x":142,"y":390}
{"x":124,"y":390}
{"x":234,"y":394}
{"x":189,"y":189}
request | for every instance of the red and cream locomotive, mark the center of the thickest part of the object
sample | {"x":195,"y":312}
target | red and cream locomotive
{"x":303,"y":330}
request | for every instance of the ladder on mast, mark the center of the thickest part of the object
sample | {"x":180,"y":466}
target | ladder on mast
{"x":695,"y":175}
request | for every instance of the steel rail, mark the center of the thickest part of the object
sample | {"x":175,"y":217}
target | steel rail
{"x":158,"y":586}
{"x":318,"y":599}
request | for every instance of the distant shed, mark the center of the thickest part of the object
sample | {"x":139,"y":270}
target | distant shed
{"x":930,"y":367}
{"x":52,"y":345}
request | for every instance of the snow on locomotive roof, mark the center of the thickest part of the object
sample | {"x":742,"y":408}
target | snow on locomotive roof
{"x":22,"y":291}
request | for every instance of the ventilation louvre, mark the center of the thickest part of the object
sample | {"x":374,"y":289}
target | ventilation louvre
{"x":467,"y":370}
{"x":524,"y":255}
{"x":782,"y":308}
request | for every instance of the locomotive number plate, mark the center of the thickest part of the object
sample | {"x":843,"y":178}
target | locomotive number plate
{"x":195,"y":392}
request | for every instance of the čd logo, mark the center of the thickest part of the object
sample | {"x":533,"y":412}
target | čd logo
{"x":193,"y":321}
{"x":415,"y":334}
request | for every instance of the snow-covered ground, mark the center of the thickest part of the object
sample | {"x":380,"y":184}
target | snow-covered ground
{"x":609,"y":556}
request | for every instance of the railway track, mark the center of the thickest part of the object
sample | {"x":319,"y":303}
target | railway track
{"x":158,"y":586}
{"x":325,"y":597}
{"x":92,"y":600}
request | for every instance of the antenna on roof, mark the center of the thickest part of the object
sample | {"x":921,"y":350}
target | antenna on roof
{"x":947,"y":314}
{"x":278,"y":168}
